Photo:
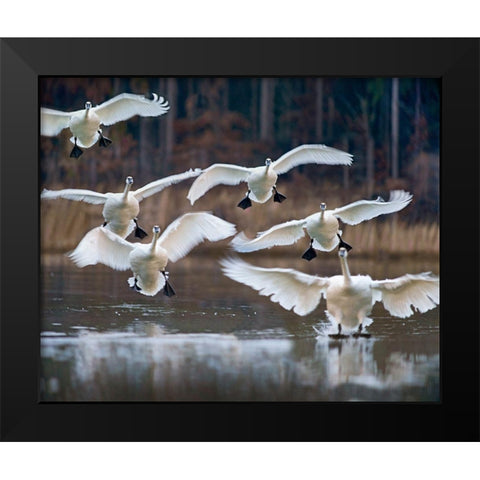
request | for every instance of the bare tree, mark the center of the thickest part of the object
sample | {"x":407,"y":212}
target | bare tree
{"x":266,"y":109}
{"x":395,"y":169}
{"x":319,"y":109}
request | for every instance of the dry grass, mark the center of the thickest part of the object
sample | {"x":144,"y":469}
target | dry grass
{"x":63,"y":222}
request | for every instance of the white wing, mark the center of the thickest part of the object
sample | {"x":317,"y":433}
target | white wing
{"x":216,"y":174}
{"x":102,"y":246}
{"x":52,"y":122}
{"x":320,"y":154}
{"x":282,"y":234}
{"x":127,"y":105}
{"x":362,"y":210}
{"x":75,"y":194}
{"x":289,"y":288}
{"x":159,"y":185}
{"x":422,"y":291}
{"x":190,"y":229}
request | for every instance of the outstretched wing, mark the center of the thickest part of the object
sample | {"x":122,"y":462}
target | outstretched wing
{"x":127,"y":105}
{"x":190,"y":229}
{"x":215,"y":175}
{"x":102,"y":246}
{"x":422,"y":291}
{"x":52,"y":122}
{"x":282,"y":234}
{"x":362,"y":210}
{"x":320,"y":154}
{"x":75,"y":194}
{"x":288,"y":287}
{"x":159,"y":185}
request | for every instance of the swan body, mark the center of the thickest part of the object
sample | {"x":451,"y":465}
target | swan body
{"x":121,"y":209}
{"x":350,"y":298}
{"x":148,"y":261}
{"x":323,"y":226}
{"x":85,"y":124}
{"x":262,"y":180}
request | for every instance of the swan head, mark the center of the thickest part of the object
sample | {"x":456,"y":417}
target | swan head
{"x":156,"y":230}
{"x":88,"y":105}
{"x":323,"y":206}
{"x":129,"y":180}
{"x":342,"y":252}
{"x":268,"y":162}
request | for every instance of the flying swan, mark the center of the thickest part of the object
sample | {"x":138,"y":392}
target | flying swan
{"x":323,"y":226}
{"x":262,"y":180}
{"x":85,"y":124}
{"x":148,"y":261}
{"x":120,"y":210}
{"x":350,"y":298}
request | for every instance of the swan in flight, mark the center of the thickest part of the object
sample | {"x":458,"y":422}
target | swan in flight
{"x":262,"y":180}
{"x":148,"y":261}
{"x":121,"y":209}
{"x":350,"y":298}
{"x":323,"y":226}
{"x":85,"y":124}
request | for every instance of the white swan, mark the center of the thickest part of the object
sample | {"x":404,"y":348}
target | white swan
{"x":350,"y":298}
{"x":323,"y":226}
{"x":85,"y":124}
{"x":121,"y":209}
{"x":148,"y":261}
{"x":262,"y":180}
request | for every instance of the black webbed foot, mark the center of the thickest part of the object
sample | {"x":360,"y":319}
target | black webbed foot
{"x":245,"y":203}
{"x":310,"y":253}
{"x":104,"y":141}
{"x":343,"y":244}
{"x":337,"y":336}
{"x":76,"y":151}
{"x":278,"y":197}
{"x":361,"y":335}
{"x":135,"y":285}
{"x":139,"y":232}
{"x":168,"y":289}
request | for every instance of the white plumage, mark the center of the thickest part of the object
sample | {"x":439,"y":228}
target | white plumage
{"x":349,"y":298}
{"x":323,"y":226}
{"x":262,"y":180}
{"x":120,"y":210}
{"x":148,"y":261}
{"x":85,"y":124}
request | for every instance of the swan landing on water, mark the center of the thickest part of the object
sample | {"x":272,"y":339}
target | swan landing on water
{"x":322,"y":227}
{"x":148,"y":261}
{"x":262,"y":180}
{"x":120,"y":210}
{"x":350,"y":298}
{"x":85,"y":124}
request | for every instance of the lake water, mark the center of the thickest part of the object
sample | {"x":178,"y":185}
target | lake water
{"x":217,"y":340}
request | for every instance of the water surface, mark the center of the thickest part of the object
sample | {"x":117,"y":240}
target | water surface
{"x":217,"y":340}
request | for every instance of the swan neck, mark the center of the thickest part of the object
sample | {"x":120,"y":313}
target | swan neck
{"x":345,"y":270}
{"x":154,"y":242}
{"x":128,"y":186}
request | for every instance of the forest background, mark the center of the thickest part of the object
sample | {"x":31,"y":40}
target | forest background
{"x":390,"y":125}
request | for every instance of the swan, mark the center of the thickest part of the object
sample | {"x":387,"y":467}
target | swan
{"x":350,"y":298}
{"x":85,"y":124}
{"x":262,"y":180}
{"x":148,"y":261}
{"x":121,"y":209}
{"x":323,"y":226}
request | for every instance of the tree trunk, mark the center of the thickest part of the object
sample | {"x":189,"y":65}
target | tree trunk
{"x":319,"y":109}
{"x":266,"y":109}
{"x":169,"y":121}
{"x":395,"y":166}
{"x":418,"y":101}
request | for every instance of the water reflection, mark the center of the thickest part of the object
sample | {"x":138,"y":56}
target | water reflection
{"x":221,"y":342}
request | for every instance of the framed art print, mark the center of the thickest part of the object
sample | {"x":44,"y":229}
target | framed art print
{"x":245,"y":236}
